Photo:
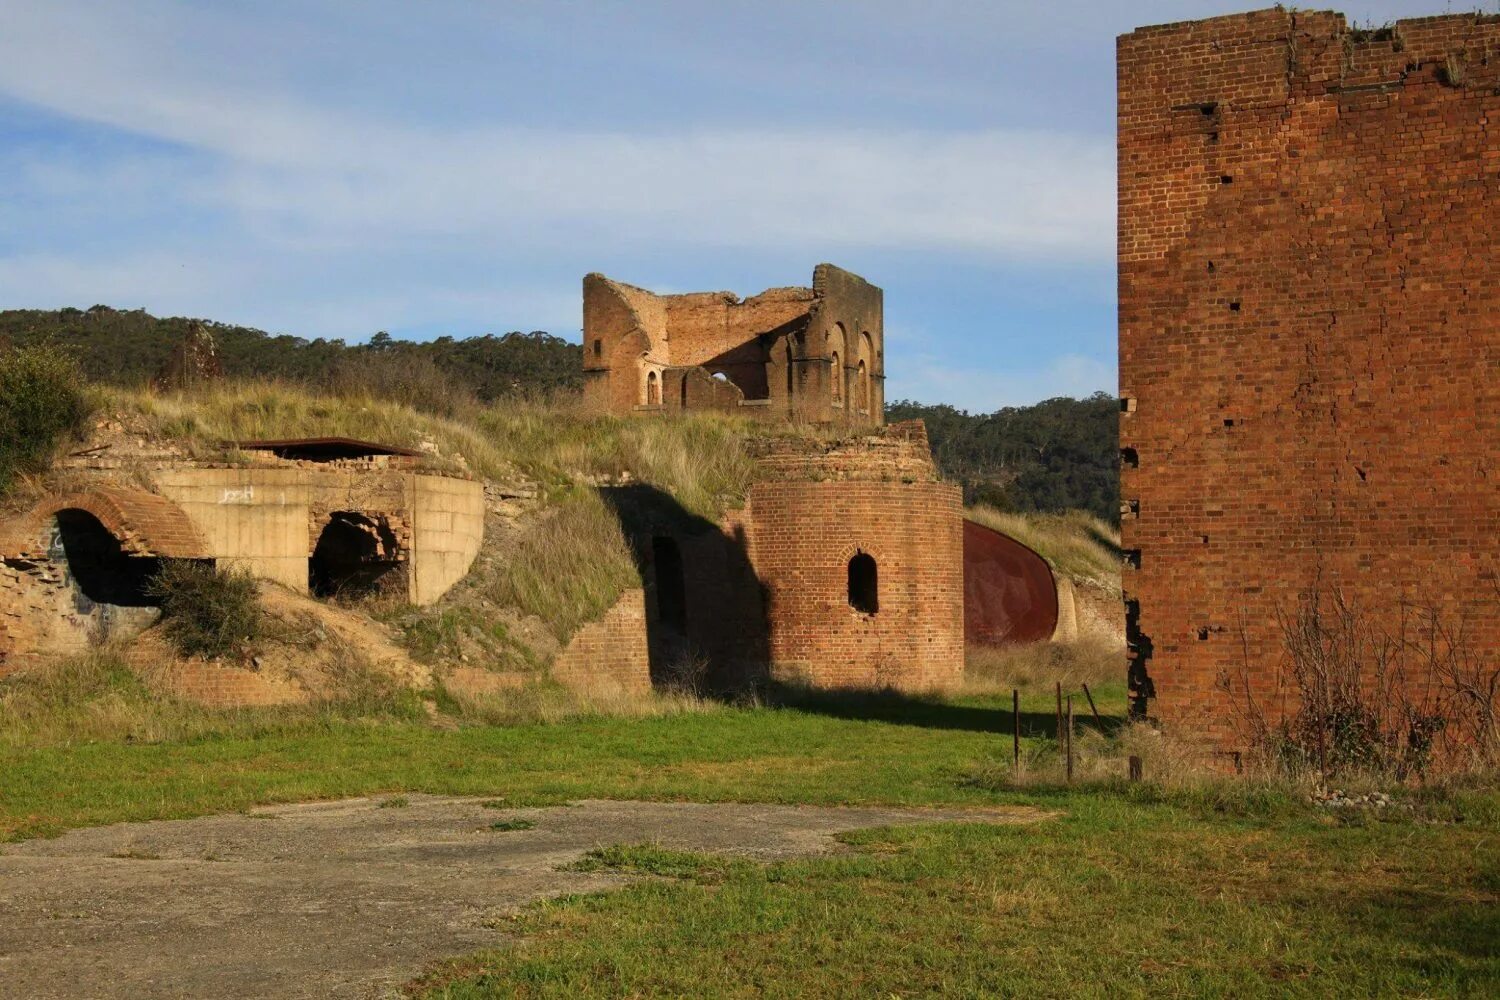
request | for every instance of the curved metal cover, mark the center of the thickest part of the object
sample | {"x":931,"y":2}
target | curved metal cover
{"x":1010,"y":595}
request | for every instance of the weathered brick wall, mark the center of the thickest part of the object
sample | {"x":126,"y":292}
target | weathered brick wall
{"x":813,"y":354}
{"x":805,"y":534}
{"x":1309,"y":338}
{"x":609,"y":654}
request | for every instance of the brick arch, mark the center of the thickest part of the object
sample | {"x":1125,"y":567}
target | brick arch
{"x":145,"y":524}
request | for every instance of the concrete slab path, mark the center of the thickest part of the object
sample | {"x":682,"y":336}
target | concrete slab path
{"x":341,"y":899}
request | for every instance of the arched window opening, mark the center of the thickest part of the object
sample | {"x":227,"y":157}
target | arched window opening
{"x":864,"y":584}
{"x":671,"y":584}
{"x":788,"y":369}
{"x":682,"y":392}
{"x":653,"y":389}
{"x":838,"y":378}
{"x":357,"y":555}
{"x":100,"y":569}
{"x":862,"y":383}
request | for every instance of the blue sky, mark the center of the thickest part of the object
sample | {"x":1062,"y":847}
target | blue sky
{"x":334,"y":169}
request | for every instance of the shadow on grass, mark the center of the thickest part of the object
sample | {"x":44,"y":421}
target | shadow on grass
{"x":915,"y":710}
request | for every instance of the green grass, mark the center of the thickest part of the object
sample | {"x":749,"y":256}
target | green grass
{"x":511,"y":825}
{"x":1187,"y":889}
{"x":1119,"y":897}
{"x":884,"y":750}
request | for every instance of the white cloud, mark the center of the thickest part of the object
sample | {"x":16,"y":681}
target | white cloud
{"x":315,"y":176}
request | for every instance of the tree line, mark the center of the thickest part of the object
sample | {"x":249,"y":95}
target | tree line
{"x":131,"y":346}
{"x":1060,"y":454}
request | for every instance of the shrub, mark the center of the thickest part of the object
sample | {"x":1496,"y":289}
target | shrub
{"x":1384,"y":697}
{"x":41,"y":400}
{"x":206,"y":610}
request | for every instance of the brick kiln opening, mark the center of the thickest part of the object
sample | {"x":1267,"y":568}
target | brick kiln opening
{"x":671,"y":584}
{"x":864,"y":584}
{"x":100,"y":569}
{"x":357,"y":554}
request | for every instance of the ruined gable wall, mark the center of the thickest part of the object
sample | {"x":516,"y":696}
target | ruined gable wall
{"x":1309,"y":337}
{"x":624,"y":328}
{"x":848,"y":309}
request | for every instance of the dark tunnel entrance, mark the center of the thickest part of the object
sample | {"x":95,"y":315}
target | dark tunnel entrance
{"x":671,"y":585}
{"x":357,"y":555}
{"x":102,"y":572}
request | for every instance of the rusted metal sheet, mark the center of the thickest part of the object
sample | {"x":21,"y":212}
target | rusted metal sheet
{"x":323,"y":448}
{"x":1010,"y":595}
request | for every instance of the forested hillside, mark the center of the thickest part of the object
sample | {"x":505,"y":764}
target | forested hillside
{"x":129,"y":347}
{"x":1061,"y":454}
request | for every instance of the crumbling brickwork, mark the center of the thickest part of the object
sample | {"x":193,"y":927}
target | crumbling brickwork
{"x":609,"y":656}
{"x":812,"y":354}
{"x":73,"y":570}
{"x":1309,"y":340}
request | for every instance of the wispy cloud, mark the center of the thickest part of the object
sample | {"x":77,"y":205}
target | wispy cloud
{"x":324,"y":174}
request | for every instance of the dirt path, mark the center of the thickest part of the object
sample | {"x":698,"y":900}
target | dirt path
{"x":341,"y":899}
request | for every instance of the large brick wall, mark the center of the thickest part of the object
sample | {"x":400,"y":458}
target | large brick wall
{"x":1309,"y":339}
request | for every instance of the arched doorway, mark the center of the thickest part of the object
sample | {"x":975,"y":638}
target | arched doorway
{"x":653,"y":389}
{"x":357,"y":555}
{"x":101,"y":571}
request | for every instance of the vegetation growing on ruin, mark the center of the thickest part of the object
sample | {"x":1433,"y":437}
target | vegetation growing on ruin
{"x":42,"y":400}
{"x":1077,"y":544}
{"x":206,"y":610}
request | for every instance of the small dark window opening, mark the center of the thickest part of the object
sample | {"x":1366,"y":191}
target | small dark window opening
{"x":598,"y":348}
{"x":357,"y":555}
{"x":671,"y":585}
{"x":1132,"y":558}
{"x":1229,"y":422}
{"x":1130,"y":458}
{"x":101,"y":571}
{"x":864,"y":584}
{"x":1226,"y":179}
{"x":1234,"y":307}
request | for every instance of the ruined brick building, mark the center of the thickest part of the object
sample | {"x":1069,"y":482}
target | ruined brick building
{"x":812,"y":354}
{"x":318,"y":516}
{"x":1309,"y":340}
{"x":844,"y":568}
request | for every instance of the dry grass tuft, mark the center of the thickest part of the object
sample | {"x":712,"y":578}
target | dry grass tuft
{"x":1091,"y":660}
{"x":546,"y":701}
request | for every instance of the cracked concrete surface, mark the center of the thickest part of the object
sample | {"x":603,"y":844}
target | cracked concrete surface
{"x":341,"y":899}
